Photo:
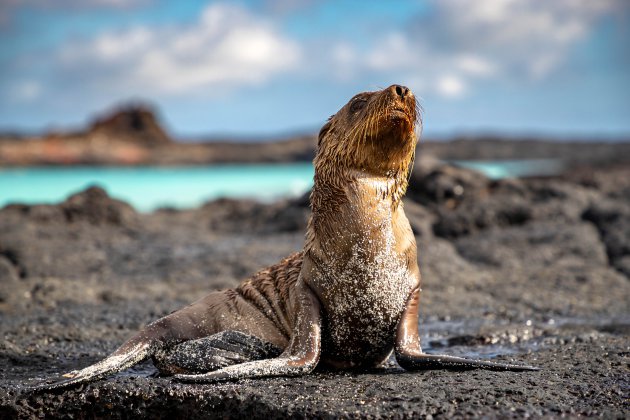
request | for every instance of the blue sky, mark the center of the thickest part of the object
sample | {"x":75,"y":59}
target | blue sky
{"x":245,"y":68}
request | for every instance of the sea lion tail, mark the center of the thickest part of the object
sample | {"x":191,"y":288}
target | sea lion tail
{"x":440,"y":361}
{"x":132,"y":352}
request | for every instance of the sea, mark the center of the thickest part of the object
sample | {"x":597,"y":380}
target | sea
{"x":148,"y":188}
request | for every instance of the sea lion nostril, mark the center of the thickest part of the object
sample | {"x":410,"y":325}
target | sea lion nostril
{"x":401,"y":91}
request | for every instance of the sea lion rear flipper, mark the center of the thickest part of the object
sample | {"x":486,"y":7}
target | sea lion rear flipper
{"x":409,"y":354}
{"x":300,"y":356}
{"x":129,"y":354}
{"x":423,"y":361}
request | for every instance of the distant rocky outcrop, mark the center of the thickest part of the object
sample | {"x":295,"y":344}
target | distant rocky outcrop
{"x":136,"y":123}
{"x":126,"y":136}
{"x":133,"y":135}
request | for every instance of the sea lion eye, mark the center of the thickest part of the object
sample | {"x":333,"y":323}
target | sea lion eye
{"x":357,"y":105}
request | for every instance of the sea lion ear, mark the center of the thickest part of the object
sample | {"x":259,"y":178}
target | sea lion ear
{"x":324,"y":131}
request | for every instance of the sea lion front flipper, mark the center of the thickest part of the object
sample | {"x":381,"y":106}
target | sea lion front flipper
{"x":409,"y":354}
{"x":300,"y":356}
{"x":214,"y":352}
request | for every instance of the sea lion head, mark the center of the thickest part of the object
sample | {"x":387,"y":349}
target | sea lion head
{"x":374,"y":133}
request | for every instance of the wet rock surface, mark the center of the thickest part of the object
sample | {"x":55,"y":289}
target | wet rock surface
{"x":532,"y":271}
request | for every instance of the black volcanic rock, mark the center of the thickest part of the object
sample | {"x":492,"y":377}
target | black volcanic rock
{"x":92,"y":205}
{"x":9,"y":279}
{"x":85,"y":274}
{"x":435,"y":182}
{"x":95,"y":206}
{"x":612,"y":219}
{"x":465,"y":201}
{"x":230,"y":215}
{"x":472,"y":215}
{"x":64,"y":240}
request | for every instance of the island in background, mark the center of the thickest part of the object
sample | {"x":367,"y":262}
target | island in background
{"x":132,"y":135}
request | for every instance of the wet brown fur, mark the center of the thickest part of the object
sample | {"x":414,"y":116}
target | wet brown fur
{"x":374,"y":141}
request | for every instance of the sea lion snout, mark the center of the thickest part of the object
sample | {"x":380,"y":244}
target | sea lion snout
{"x":403,"y":101}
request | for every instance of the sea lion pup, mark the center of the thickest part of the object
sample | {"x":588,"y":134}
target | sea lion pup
{"x":346,"y":300}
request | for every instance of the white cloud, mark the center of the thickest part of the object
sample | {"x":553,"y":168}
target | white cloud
{"x":463,"y":42}
{"x":448,"y":52}
{"x":451,"y":86}
{"x":226,"y":47}
{"x":518,"y":34}
{"x":475,"y":65}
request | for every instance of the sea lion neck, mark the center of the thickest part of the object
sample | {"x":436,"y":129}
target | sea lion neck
{"x":352,"y":206}
{"x":333,"y":185}
{"x":347,"y":183}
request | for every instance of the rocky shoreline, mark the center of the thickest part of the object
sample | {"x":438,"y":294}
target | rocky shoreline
{"x":534,"y":271}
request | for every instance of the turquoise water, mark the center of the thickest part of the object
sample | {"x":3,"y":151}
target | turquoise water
{"x":147,"y":188}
